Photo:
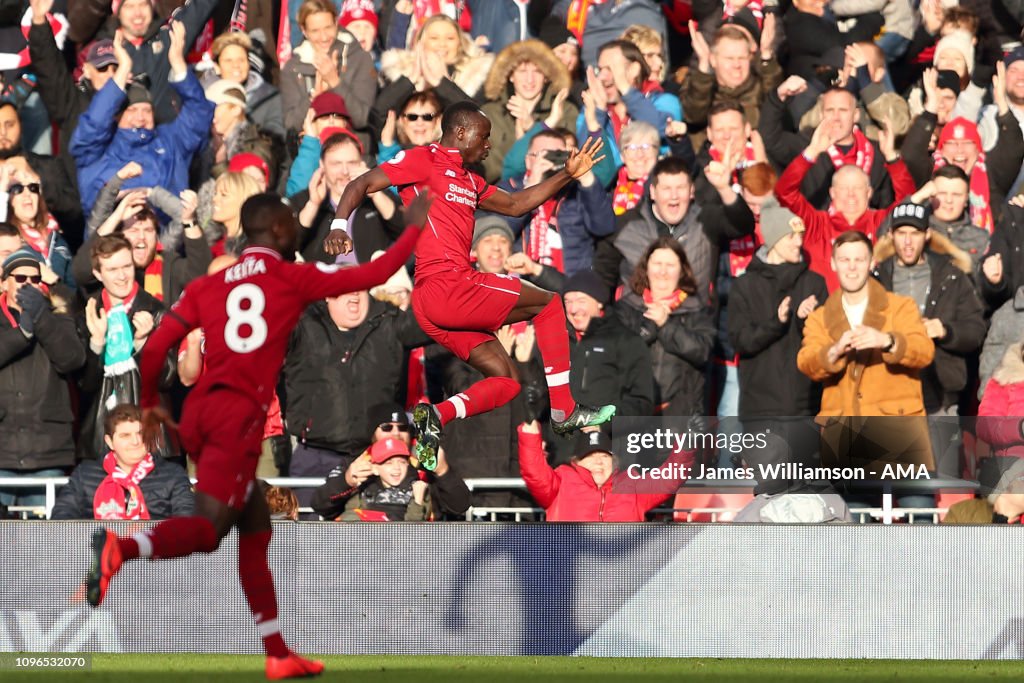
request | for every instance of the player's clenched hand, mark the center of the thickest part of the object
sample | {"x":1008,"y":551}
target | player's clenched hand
{"x":337,"y":242}
{"x":581,"y":160}
{"x":416,"y":212}
{"x":153,"y":421}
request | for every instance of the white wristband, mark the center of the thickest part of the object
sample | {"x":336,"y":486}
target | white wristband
{"x":340,"y":224}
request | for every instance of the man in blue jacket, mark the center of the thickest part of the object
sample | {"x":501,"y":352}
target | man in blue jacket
{"x":119,"y":127}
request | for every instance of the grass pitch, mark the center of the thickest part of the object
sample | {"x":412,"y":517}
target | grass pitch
{"x":186,"y":668}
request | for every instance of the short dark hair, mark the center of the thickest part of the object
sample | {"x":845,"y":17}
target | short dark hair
{"x":639,"y":280}
{"x":340,"y":138}
{"x":723,"y":106}
{"x":460,"y":115}
{"x":852,"y":237}
{"x":145,"y":214}
{"x":261,"y":212}
{"x":106,"y":246}
{"x":9,"y":230}
{"x":122,"y":412}
{"x":952,"y":172}
{"x":632,"y":54}
{"x":669,"y":166}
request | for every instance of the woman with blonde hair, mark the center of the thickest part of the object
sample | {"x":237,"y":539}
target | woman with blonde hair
{"x":229,"y":193}
{"x":442,"y":57}
{"x":652,"y":47}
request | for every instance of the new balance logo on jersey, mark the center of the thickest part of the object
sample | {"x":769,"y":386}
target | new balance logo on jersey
{"x":450,"y":173}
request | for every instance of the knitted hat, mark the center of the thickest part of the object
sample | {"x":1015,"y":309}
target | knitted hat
{"x":948,"y":80}
{"x":328,"y":102}
{"x":778,"y":222}
{"x":138,"y":94}
{"x":357,"y":10}
{"x":21,"y":257}
{"x":1015,"y":55}
{"x":489,"y":225}
{"x":588,"y":282}
{"x":959,"y":41}
{"x":960,"y":129}
{"x":553,"y":32}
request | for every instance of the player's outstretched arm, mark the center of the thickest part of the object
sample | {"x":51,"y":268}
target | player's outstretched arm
{"x":580,"y":161}
{"x":167,"y":335}
{"x":377,"y":272}
{"x":338,"y":240}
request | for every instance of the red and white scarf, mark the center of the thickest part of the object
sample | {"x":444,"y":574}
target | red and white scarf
{"x":545,"y":244}
{"x":627,"y":192}
{"x":748,"y":160}
{"x":454,"y":9}
{"x":127,"y":303}
{"x":41,"y":240}
{"x":756,"y":8}
{"x":673,"y":300}
{"x":861,"y":154}
{"x":119,"y":495}
{"x":978,"y":198}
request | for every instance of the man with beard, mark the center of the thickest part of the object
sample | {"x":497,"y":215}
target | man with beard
{"x":376,"y":222}
{"x":921,"y":263}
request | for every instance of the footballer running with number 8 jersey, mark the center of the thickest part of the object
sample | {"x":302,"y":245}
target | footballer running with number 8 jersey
{"x":247,"y":313}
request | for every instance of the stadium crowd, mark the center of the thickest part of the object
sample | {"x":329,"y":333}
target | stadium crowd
{"x":806,"y":209}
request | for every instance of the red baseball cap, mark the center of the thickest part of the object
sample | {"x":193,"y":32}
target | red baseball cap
{"x":385,"y":449}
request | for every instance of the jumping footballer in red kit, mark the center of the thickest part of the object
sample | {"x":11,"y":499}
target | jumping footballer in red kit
{"x":458,"y":306}
{"x":247,"y":312}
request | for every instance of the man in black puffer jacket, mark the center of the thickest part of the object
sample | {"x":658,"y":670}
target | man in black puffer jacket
{"x":129,"y":482}
{"x":346,"y":355}
{"x":768,"y":306}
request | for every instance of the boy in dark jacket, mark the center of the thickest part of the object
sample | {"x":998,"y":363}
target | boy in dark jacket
{"x":395,"y":492}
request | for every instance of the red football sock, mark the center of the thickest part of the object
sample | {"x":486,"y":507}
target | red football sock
{"x":174,"y":537}
{"x":485,"y":395}
{"x":258,"y":586}
{"x":553,"y":342}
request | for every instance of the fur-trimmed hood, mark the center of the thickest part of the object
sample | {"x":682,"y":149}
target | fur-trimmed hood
{"x":526,"y":51}
{"x":469,"y":73}
{"x":1011,"y":368}
{"x":937,"y":244}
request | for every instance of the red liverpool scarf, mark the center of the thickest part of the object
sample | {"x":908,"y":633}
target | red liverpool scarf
{"x":119,"y":487}
{"x":673,"y":300}
{"x":627,"y":192}
{"x":861,"y":154}
{"x":127,"y":303}
{"x":978,"y":200}
{"x":747,"y":161}
{"x":40,"y":240}
{"x":545,"y":244}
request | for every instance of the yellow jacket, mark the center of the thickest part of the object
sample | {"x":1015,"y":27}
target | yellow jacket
{"x":868,"y":382}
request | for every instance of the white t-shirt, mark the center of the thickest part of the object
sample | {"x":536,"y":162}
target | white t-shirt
{"x":855,"y":312}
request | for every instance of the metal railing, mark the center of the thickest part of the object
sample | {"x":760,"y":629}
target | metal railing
{"x":886,"y":513}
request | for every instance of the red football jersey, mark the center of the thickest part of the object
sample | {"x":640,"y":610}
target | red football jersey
{"x":248,"y":311}
{"x":448,"y":236}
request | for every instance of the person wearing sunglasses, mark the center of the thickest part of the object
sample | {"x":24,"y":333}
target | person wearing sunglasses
{"x":418,"y":122}
{"x":44,"y":349}
{"x":22,"y":204}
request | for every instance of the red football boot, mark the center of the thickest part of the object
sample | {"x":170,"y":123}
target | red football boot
{"x":292,"y":666}
{"x":105,"y":562}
